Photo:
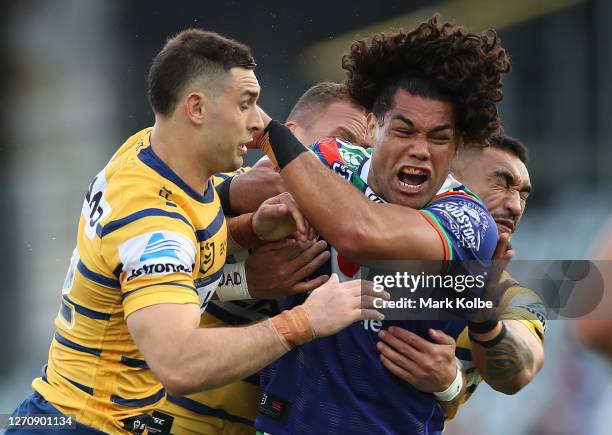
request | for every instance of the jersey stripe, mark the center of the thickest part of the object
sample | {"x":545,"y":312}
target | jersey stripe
{"x":87,"y":311}
{"x":72,"y":345}
{"x":149,"y":400}
{"x":174,"y":284}
{"x":96,"y":277}
{"x":149,"y":158}
{"x":133,"y":362}
{"x":147,"y":212}
{"x":200,"y":408}
{"x":81,"y":387}
{"x":212,"y":228}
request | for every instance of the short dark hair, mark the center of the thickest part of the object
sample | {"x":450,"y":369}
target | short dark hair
{"x":189,"y":54}
{"x":317,"y":97}
{"x":435,"y":60}
{"x":510,"y":145}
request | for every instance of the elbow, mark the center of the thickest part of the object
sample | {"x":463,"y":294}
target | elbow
{"x":350,"y":242}
{"x":178,"y":383}
{"x":519,"y":381}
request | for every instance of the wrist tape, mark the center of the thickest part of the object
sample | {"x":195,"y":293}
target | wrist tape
{"x":293,"y":327}
{"x":241,"y":230}
{"x":234,"y":287}
{"x":280,"y":145}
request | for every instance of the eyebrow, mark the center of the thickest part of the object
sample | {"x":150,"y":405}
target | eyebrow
{"x":407,"y":121}
{"x":251,"y":94}
{"x":509,"y":178}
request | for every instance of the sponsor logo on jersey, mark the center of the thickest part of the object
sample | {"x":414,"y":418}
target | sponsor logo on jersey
{"x":159,"y":247}
{"x":159,"y":269}
{"x":343,"y":170}
{"x":466,"y":221}
{"x":157,"y":253}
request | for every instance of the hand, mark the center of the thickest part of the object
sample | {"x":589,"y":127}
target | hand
{"x":253,"y":144}
{"x":277,"y":269}
{"x":495,"y":288}
{"x":334,"y":306}
{"x":279,"y":217}
{"x":428,"y":366}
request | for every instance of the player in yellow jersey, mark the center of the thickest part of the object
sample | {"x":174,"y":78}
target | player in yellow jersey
{"x":324,"y":110}
{"x":497,"y":174}
{"x":151,"y":244}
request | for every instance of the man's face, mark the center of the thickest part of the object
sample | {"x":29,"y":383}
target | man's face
{"x":502,"y":182}
{"x":232,"y":119}
{"x":413,"y":149}
{"x":340,"y":119}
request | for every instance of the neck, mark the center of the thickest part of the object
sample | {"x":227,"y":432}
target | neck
{"x":176,"y":148}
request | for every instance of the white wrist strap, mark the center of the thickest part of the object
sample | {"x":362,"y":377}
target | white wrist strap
{"x":453,"y":389}
{"x":233,"y":286}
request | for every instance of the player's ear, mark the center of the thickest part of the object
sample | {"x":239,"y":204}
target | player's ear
{"x":291,"y":126}
{"x":195,"y":107}
{"x":371,"y":125}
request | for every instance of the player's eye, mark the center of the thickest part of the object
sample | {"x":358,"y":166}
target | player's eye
{"x":440,"y":139}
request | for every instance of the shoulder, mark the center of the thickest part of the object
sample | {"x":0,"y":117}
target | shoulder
{"x":469,"y":229}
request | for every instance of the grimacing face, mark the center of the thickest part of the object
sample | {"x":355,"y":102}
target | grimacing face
{"x":501,"y":180}
{"x":232,"y":120}
{"x":413,"y":149}
{"x":339,"y":119}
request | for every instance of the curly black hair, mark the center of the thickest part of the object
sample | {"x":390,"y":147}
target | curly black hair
{"x":436,"y":60}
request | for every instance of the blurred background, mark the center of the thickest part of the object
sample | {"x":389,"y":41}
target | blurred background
{"x":75,"y":87}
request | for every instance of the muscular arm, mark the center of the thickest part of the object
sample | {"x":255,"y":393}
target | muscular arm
{"x":186,"y":358}
{"x":512,"y":363}
{"x":354,"y":225}
{"x":249,"y":190}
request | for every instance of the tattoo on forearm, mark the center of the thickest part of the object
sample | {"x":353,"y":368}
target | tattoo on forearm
{"x":509,"y":357}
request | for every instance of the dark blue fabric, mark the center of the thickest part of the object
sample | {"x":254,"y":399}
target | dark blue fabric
{"x":337,"y":385}
{"x":37,"y":405}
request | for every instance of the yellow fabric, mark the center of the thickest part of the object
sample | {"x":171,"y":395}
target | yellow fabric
{"x":238,"y":399}
{"x":144,"y":238}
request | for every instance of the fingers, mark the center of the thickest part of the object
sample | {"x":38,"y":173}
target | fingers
{"x":397,"y":370}
{"x":401,"y":346}
{"x":306,"y":286}
{"x":402,"y":361}
{"x":502,"y":246}
{"x":409,"y":338}
{"x":306,"y":256}
{"x":440,"y":337}
{"x":310,"y":267}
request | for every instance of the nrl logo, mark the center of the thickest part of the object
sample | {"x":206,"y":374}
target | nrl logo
{"x":207,"y":257}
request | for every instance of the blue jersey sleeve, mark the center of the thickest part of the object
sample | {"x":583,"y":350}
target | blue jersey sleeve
{"x":467,"y":229}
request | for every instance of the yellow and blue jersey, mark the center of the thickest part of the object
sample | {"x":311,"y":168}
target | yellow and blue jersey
{"x":231,"y":409}
{"x":144,"y":238}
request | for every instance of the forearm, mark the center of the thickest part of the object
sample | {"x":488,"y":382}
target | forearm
{"x":211,"y":357}
{"x":357,"y":227}
{"x":247,"y":191}
{"x":513,"y":362}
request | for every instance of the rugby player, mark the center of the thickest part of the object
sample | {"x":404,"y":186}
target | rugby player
{"x":499,"y":176}
{"x":151,"y":246}
{"x":428,"y":91}
{"x":324,"y":110}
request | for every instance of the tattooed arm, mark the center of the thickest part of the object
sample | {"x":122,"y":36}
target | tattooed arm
{"x":513,"y":362}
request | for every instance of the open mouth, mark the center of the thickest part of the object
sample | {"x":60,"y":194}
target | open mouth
{"x":412,"y":179}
